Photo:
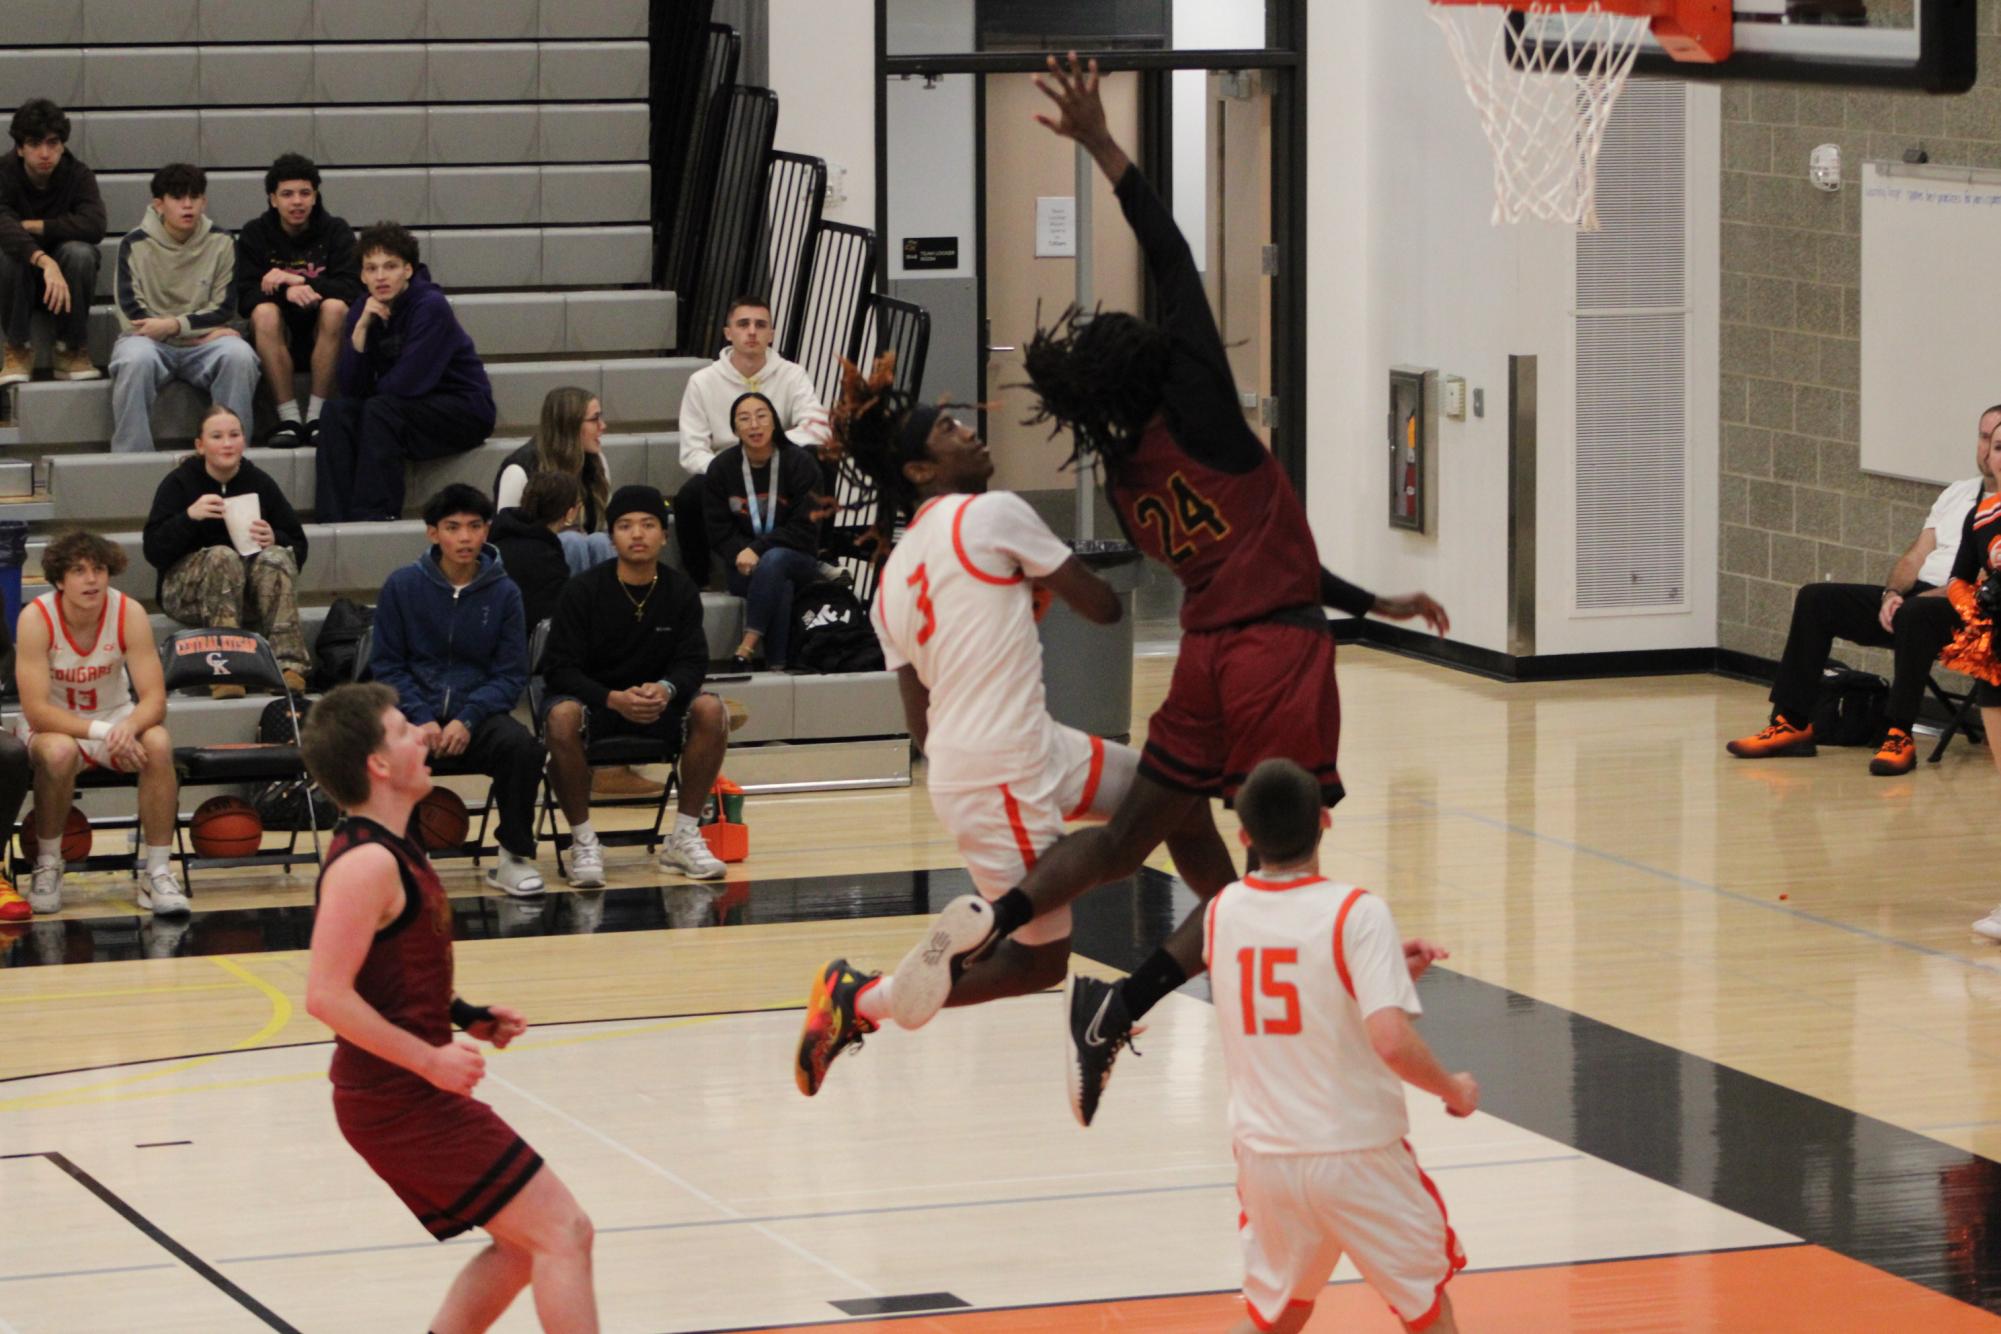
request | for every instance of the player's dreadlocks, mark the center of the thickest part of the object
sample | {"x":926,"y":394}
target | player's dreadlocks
{"x":1099,"y":376}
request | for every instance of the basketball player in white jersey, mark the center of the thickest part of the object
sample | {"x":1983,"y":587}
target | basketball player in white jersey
{"x":1315,"y":998}
{"x":956,"y":609}
{"x":93,"y":696}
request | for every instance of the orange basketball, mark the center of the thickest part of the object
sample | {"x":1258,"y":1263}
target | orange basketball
{"x":76,"y":835}
{"x":441,"y":820}
{"x":226,"y":827}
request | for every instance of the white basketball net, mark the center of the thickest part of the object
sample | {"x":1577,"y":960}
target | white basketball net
{"x":1543,"y":105}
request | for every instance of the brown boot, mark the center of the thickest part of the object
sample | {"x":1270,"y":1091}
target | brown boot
{"x":294,"y":682}
{"x":74,"y":363}
{"x":619,"y":780}
{"x":227,"y":692}
{"x":739,"y":715}
{"x":18,"y":365}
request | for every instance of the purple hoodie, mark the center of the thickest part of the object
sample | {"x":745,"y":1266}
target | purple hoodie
{"x":421,"y":352}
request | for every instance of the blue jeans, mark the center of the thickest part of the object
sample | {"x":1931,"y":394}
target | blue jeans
{"x":583,"y":550}
{"x":769,"y":588}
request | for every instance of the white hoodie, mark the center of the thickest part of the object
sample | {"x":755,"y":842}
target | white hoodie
{"x":705,"y":407}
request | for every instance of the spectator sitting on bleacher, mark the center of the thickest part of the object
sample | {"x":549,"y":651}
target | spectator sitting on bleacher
{"x":570,"y":439}
{"x":748,"y":364}
{"x":449,"y":639}
{"x":205,"y":577}
{"x":626,"y":657}
{"x":411,"y":385}
{"x":296,"y":276}
{"x":84,"y":651}
{"x":175,"y":299}
{"x":764,"y":508}
{"x":51,"y":219}
{"x":528,"y":537}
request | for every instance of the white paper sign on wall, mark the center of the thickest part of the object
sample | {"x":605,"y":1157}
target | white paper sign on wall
{"x":1055,"y":227}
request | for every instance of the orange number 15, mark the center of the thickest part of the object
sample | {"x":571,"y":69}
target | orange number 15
{"x":1257,"y":970}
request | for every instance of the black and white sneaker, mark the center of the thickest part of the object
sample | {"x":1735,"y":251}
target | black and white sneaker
{"x":960,"y":934}
{"x":1099,"y":1026}
{"x":286,"y":435}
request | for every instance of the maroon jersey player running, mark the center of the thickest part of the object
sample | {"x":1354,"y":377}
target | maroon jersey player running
{"x":1155,"y":406}
{"x":381,"y":978}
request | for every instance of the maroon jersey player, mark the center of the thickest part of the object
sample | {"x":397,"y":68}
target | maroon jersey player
{"x":1154,"y":405}
{"x":380,"y":977}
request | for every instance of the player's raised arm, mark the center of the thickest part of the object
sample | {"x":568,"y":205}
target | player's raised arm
{"x":362,"y":893}
{"x":1080,"y":114}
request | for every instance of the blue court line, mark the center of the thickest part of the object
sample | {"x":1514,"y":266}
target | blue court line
{"x":1689,"y":882}
{"x":867,"y":1212}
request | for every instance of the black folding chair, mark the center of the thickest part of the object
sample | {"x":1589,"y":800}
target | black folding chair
{"x":204,"y":658}
{"x":598,"y":753}
{"x":1962,"y":715}
{"x":442,"y":766}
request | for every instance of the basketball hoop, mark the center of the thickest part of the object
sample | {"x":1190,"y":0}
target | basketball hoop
{"x":1545,"y":84}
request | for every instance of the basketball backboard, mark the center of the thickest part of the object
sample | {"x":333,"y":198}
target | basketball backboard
{"x":1920,"y":44}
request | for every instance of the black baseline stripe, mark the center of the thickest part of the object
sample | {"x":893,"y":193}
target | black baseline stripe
{"x":174,"y":1248}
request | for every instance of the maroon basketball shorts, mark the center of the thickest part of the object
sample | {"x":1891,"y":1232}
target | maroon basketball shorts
{"x":1244,"y":694}
{"x":451,"y":1160}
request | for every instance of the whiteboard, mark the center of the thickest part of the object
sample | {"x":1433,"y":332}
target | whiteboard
{"x":1931,"y":317}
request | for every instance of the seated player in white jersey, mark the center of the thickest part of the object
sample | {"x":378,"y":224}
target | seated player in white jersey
{"x":93,"y":696}
{"x":956,"y":609}
{"x":1317,"y":1050}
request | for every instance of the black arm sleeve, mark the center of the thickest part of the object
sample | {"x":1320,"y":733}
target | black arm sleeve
{"x":1341,"y":595}
{"x":1201,"y":390}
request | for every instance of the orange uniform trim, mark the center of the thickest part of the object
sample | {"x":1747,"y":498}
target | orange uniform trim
{"x":1209,"y":929}
{"x":1280,"y":886}
{"x":959,"y":547}
{"x":1341,"y":951}
{"x":1455,"y":1259}
{"x":1020,"y":830}
{"x":1097,"y":771}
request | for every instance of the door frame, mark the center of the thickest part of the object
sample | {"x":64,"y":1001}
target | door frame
{"x":1283,"y":58}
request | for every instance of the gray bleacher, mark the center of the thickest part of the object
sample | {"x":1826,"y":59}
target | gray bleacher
{"x":514,"y":137}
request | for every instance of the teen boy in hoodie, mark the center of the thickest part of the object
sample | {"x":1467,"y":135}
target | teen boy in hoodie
{"x":176,"y":273}
{"x":296,"y":276}
{"x":449,"y":640}
{"x":51,"y":219}
{"x":411,"y":385}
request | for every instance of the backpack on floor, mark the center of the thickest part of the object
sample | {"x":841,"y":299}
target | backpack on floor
{"x":281,"y":804}
{"x":1852,"y":707}
{"x":339,"y":643}
{"x":830,"y":631}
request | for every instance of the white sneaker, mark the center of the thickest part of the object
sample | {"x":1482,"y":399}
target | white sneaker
{"x":161,"y":891}
{"x":45,"y":890}
{"x":1988,"y":926}
{"x":515,"y":875}
{"x":586,"y":912}
{"x":688,"y":852}
{"x":160,"y":937}
{"x":587,"y":865}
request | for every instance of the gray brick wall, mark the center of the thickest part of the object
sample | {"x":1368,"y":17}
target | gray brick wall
{"x":1795,"y":503}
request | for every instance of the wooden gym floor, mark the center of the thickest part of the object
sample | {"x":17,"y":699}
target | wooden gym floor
{"x":1741,"y":1060}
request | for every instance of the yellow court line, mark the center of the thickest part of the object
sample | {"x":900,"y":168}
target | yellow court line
{"x":118,"y":1090}
{"x":281,"y":1015}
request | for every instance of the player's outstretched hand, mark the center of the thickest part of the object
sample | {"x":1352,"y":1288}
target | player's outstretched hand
{"x":1081,"y":115}
{"x":1419,"y":954}
{"x":506,"y":1025}
{"x":1465,"y":1099}
{"x":1415,"y":604}
{"x":456,"y":1067}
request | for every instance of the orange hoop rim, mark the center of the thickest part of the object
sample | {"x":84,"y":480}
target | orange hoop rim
{"x":1700,"y":31}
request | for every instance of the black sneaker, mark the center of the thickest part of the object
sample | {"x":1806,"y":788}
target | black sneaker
{"x":832,"y":1025}
{"x":1099,"y":1026}
{"x":960,"y":934}
{"x":286,"y":435}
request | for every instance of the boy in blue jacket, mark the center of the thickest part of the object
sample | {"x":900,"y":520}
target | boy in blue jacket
{"x":449,"y":640}
{"x":410,"y":382}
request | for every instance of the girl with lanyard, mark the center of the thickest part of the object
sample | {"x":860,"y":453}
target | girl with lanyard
{"x":763,"y":508}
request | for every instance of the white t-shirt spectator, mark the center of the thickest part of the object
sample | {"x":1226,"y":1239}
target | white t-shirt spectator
{"x":712,"y":390}
{"x":1948,"y":521}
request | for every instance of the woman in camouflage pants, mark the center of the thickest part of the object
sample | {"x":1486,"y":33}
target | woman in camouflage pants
{"x":204,"y":579}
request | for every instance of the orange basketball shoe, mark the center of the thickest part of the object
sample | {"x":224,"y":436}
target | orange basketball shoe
{"x":1781,"y":740}
{"x":13,"y":908}
{"x":832,"y":1023}
{"x":1898,"y":755}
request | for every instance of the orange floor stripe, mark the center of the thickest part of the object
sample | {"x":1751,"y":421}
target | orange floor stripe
{"x":1784,"y":1290}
